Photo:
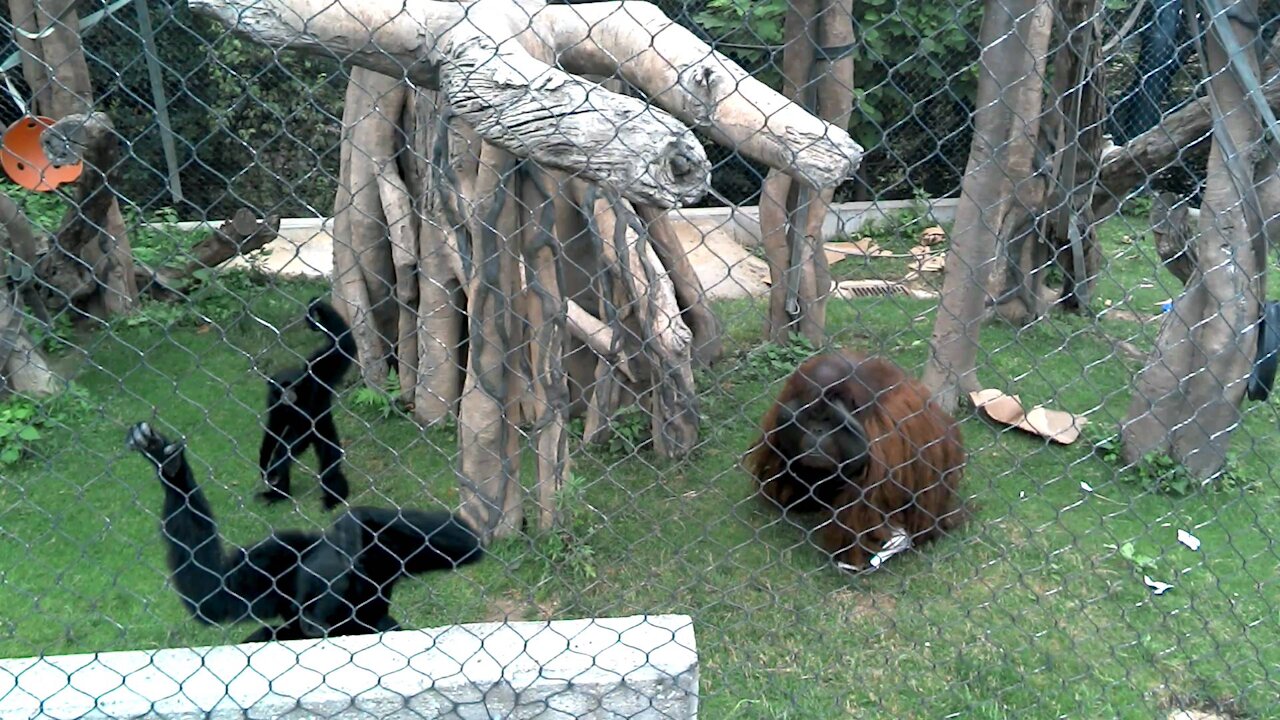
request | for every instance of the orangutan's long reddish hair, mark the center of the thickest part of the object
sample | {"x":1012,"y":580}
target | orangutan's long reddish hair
{"x":857,"y":438}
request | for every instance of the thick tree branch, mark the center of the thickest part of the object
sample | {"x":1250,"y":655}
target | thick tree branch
{"x":536,"y":111}
{"x":1182,"y":134}
{"x":242,"y":234}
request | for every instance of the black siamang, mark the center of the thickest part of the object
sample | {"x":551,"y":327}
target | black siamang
{"x":299,"y":411}
{"x":336,"y":582}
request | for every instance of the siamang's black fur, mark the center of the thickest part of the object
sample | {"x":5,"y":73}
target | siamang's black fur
{"x":336,"y":582}
{"x":299,"y":411}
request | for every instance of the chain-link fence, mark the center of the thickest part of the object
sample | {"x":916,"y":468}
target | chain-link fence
{"x":783,"y":359}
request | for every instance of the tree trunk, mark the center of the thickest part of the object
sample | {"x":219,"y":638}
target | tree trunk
{"x":951,"y":369}
{"x":1170,"y":221}
{"x":489,"y":468}
{"x":438,"y":384}
{"x":791,"y":211}
{"x":363,"y":247}
{"x":1080,"y":103}
{"x":34,"y":69}
{"x":1050,"y":220}
{"x":114,"y":290}
{"x":1186,"y":400}
{"x":1016,"y":277}
{"x":547,"y":322}
{"x":23,"y":367}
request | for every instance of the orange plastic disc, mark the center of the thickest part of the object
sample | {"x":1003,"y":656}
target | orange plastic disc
{"x":24,"y":160}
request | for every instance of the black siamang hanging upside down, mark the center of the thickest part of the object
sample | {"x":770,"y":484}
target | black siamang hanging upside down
{"x":336,"y":582}
{"x":300,"y":411}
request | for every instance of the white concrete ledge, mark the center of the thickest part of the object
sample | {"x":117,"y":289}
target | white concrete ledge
{"x":642,"y":667}
{"x":718,"y":241}
{"x":843,"y":219}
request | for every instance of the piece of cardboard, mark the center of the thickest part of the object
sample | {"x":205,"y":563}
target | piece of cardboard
{"x":1057,"y":425}
{"x":926,"y":260}
{"x":866,"y":247}
{"x":933,"y":235}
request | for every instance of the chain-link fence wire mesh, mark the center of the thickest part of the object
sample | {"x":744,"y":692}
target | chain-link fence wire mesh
{"x":581,"y":373}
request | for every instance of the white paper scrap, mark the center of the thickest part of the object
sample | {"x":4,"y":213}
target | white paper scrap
{"x":1157,"y":587}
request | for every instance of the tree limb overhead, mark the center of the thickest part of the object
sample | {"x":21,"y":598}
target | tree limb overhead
{"x":480,"y":55}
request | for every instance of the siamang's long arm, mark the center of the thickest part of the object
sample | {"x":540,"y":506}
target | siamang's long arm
{"x":199,"y":568}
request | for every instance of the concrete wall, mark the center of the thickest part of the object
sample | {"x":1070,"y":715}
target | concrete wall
{"x":718,"y":242}
{"x":740,"y":223}
{"x":640,"y":667}
{"x":843,"y":219}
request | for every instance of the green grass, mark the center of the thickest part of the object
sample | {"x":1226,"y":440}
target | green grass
{"x":1031,"y":611}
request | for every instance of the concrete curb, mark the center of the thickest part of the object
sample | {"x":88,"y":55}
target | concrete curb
{"x":642,"y":667}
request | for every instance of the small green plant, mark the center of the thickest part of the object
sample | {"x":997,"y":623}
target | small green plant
{"x":1162,"y":474}
{"x":1159,"y":473}
{"x":44,"y":210}
{"x":1138,"y":207}
{"x":57,"y":336}
{"x":770,"y":362}
{"x":19,"y":428}
{"x":378,"y":402}
{"x":153,"y":316}
{"x":25,"y":422}
{"x":157,"y":241}
{"x":1141,"y":562}
{"x":630,"y":432}
{"x":1104,"y":440}
{"x":568,"y":547}
{"x":218,"y":298}
{"x":747,"y":28}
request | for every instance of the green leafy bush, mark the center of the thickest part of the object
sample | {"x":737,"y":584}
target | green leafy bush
{"x":254,"y":127}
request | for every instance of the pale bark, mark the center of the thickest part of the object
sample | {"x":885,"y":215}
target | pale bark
{"x":798,"y":273}
{"x":702,"y":322}
{"x":34,"y":69}
{"x":440,"y":274}
{"x":489,"y":466}
{"x":1170,"y":220}
{"x":1013,"y":275}
{"x":546,"y":314}
{"x":650,"y":298}
{"x":364,"y":270}
{"x":1186,"y":401}
{"x":1049,"y":222}
{"x":1081,"y":107}
{"x":402,"y":227}
{"x":618,"y":141}
{"x":591,"y":331}
{"x":952,"y":366}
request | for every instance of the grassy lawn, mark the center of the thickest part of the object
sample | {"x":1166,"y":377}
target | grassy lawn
{"x":1031,"y":611}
